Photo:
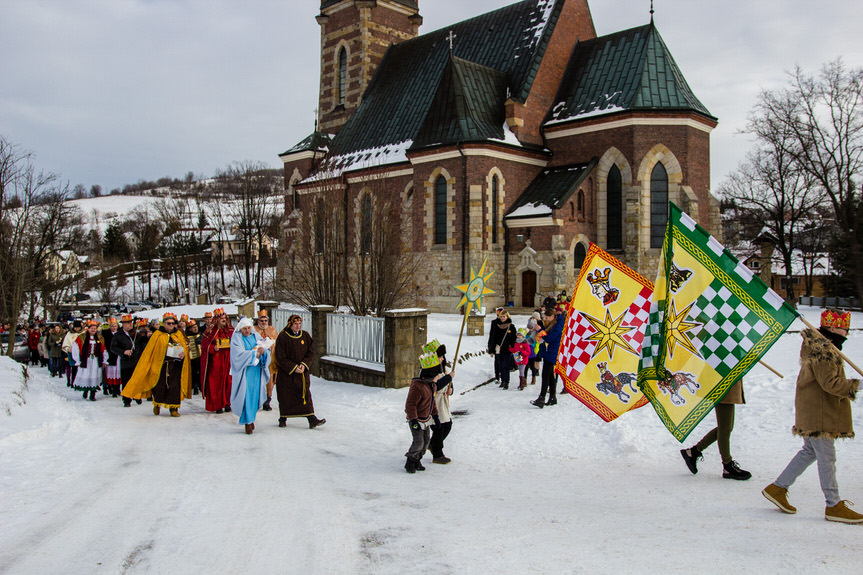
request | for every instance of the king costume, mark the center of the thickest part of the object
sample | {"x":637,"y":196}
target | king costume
{"x":162,"y":373}
{"x":216,"y":365}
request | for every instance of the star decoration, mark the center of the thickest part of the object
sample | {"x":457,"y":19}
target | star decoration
{"x":475,"y":288}
{"x":609,"y":333}
{"x":676,"y":328}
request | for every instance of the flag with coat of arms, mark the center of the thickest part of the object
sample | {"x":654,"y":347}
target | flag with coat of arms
{"x":601,"y":343}
{"x":711,"y":320}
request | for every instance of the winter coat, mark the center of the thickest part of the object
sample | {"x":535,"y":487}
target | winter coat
{"x":734,"y":395}
{"x":55,"y":344}
{"x":822,"y":403}
{"x":501,"y":334}
{"x":420,"y":404}
{"x":551,"y":340}
{"x":522,"y":348}
{"x":121,"y":342}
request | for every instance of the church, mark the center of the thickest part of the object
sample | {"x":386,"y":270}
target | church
{"x":518,"y":136}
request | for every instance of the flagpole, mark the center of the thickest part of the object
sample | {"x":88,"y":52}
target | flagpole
{"x":771,"y":369}
{"x":839,"y":351}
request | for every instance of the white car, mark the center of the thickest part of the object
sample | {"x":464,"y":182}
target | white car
{"x":134,"y":306}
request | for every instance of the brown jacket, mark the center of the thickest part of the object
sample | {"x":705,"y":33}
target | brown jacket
{"x":823,"y":400}
{"x":734,"y":394}
{"x":420,"y":401}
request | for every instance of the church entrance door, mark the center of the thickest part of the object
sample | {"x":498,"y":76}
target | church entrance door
{"x":528,"y":288}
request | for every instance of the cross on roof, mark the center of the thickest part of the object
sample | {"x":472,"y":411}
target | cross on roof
{"x":451,"y":37}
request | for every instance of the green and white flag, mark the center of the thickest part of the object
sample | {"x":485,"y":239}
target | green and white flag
{"x":711,"y":320}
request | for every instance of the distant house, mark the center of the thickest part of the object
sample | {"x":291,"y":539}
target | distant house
{"x":230,"y":246}
{"x":64,"y":264}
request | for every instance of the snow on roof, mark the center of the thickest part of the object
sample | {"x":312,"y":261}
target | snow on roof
{"x":593,"y":109}
{"x":508,"y":137}
{"x":370,"y":157}
{"x":814,"y":264}
{"x":533,"y":34}
{"x":530,"y":210}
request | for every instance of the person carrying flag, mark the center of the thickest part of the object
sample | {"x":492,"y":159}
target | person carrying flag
{"x":822,"y":407}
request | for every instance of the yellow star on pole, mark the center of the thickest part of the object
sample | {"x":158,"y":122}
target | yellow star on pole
{"x":475,"y":288}
{"x":676,"y":328}
{"x":609,"y":333}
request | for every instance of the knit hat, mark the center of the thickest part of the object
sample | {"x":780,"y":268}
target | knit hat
{"x":836,"y":318}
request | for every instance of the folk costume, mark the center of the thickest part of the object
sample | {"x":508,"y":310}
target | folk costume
{"x":161,"y":372}
{"x":822,"y":407}
{"x":250,"y":374}
{"x":68,"y":344}
{"x":216,"y":365}
{"x":193,"y":339}
{"x":89,"y":355}
{"x":112,"y":366}
{"x":269,"y":332}
{"x":292,"y":350}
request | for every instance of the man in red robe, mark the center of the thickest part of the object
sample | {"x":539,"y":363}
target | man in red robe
{"x":216,"y":363}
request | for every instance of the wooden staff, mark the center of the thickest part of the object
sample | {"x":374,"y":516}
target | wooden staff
{"x":839,"y":351}
{"x":458,"y":345}
{"x":771,"y":369}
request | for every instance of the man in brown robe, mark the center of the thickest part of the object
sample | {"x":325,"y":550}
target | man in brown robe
{"x":294,"y":354}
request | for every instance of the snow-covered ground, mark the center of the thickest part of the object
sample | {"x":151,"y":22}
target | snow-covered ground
{"x":96,"y":488}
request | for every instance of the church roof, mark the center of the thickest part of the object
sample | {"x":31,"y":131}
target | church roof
{"x":314,"y":142}
{"x":549,"y":191}
{"x":402,"y":94}
{"x":468,"y":106}
{"x":625,"y":71}
{"x":408,"y":3}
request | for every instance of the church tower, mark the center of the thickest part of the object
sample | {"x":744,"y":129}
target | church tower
{"x":355,"y":34}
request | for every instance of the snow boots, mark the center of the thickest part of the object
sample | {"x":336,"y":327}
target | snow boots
{"x":283,"y":422}
{"x":175,"y":412}
{"x":551,"y":401}
{"x":690,"y":456}
{"x":731,"y":470}
{"x":156,"y":409}
{"x":539,"y":402}
{"x":842,"y":514}
{"x":410,"y":465}
{"x":266,"y":406}
{"x":522,"y":383}
{"x":249,"y":429}
{"x":778,"y":496}
{"x":441,"y":459}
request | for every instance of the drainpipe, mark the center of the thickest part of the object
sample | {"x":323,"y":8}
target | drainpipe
{"x":506,"y":263}
{"x":464,"y":211}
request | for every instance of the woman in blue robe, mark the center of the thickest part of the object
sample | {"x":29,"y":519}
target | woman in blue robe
{"x":250,"y":372}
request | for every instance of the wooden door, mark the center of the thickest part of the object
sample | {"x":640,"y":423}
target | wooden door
{"x":528,"y":288}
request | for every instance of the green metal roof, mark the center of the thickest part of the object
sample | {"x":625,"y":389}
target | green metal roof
{"x":402,"y":93}
{"x":316,"y":141}
{"x":624,"y":71}
{"x":468,"y":106}
{"x":550,"y":190}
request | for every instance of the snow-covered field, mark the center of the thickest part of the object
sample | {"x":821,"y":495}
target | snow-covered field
{"x":96,"y":488}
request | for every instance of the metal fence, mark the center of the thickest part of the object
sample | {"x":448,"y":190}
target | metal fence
{"x":280,"y":319}
{"x":839,"y":302}
{"x":356,"y":337}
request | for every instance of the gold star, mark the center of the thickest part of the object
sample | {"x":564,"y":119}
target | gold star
{"x":676,"y":328}
{"x":609,"y":333}
{"x":475,"y":288}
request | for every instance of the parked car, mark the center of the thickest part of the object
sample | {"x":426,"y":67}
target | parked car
{"x":21,"y":351}
{"x":134,"y":306}
{"x":225,"y":299}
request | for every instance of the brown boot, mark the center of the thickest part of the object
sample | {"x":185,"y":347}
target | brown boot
{"x":522,"y":383}
{"x":156,"y":409}
{"x":778,"y":496}
{"x":175,"y":412}
{"x":842,"y":514}
{"x":533,"y":379}
{"x":315,"y":422}
{"x":249,"y":429}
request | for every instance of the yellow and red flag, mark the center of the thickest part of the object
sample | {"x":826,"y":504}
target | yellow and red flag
{"x":602,"y":337}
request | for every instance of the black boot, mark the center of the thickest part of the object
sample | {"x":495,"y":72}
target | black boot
{"x":551,"y":401}
{"x":227,"y":409}
{"x":419,"y":465}
{"x":92,"y":395}
{"x":127,"y":402}
{"x":86,"y":392}
{"x":266,"y":406}
{"x":410,"y":465}
{"x":731,"y":470}
{"x":315,"y":422}
{"x":539,"y":402}
{"x":283,"y":422}
{"x":690,"y":456}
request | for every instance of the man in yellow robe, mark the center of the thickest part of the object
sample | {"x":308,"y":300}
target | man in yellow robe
{"x":164,"y":370}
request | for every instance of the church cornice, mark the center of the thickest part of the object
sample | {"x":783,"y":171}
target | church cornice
{"x":631,"y":119}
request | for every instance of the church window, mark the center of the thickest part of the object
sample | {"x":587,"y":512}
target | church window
{"x":319,"y":226}
{"x":366,"y":229}
{"x":343,"y":74}
{"x":614,"y":209}
{"x":579,"y":255}
{"x":440,"y":210}
{"x":495,"y":200}
{"x":658,"y":205}
{"x":580,"y":204}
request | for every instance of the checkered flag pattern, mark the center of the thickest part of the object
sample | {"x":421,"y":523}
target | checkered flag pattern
{"x":576,"y":351}
{"x":636,"y":316}
{"x":652,"y":337}
{"x":729,"y":329}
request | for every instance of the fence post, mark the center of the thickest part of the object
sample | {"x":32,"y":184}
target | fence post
{"x":319,"y":329}
{"x":405,"y":332}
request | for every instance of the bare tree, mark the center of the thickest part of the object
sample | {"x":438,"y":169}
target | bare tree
{"x":823,"y":117}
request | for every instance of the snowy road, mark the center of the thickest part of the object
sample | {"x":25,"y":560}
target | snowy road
{"x":96,"y":488}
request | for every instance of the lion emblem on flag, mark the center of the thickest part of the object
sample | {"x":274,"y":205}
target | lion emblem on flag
{"x":600,"y":285}
{"x":613,"y":384}
{"x":671,"y":384}
{"x":677,"y":277}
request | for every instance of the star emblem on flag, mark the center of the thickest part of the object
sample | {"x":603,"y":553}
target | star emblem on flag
{"x":609,"y":334}
{"x":678,"y":328}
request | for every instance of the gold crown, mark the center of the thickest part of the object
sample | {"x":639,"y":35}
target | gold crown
{"x":599,"y":277}
{"x":431,"y":346}
{"x":836,"y":318}
{"x":429,"y":359}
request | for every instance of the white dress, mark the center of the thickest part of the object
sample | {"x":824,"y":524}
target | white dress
{"x":89,"y":377}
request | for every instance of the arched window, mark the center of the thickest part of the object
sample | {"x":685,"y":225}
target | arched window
{"x":614,"y":209}
{"x":578,"y":255}
{"x":658,"y":205}
{"x":580,"y":204}
{"x":366,"y":226}
{"x":571,"y":211}
{"x":495,"y":200}
{"x":343,"y":74}
{"x":319,"y":226}
{"x":440,"y":210}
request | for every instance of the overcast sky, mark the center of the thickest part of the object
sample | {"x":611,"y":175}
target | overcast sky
{"x":109,"y":92}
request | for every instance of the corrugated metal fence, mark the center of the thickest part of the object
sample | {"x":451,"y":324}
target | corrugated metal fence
{"x":280,"y":319}
{"x":356,"y":337}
